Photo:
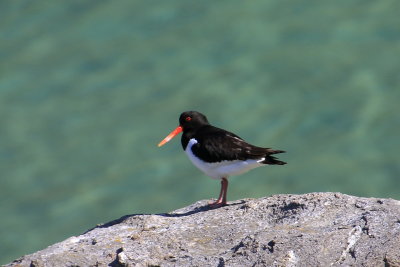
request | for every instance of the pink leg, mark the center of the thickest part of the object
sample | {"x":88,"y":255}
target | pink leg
{"x":221,"y":201}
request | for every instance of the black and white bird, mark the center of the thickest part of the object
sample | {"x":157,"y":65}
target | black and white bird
{"x":217,"y":152}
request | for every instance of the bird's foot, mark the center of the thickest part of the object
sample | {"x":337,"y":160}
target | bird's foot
{"x":217,"y":204}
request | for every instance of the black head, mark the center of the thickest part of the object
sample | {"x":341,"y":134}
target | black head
{"x":192,"y":120}
{"x":189,"y":121}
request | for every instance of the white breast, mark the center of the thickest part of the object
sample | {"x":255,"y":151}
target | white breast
{"x":221,"y":169}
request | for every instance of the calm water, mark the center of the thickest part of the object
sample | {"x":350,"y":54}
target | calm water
{"x":88,"y":89}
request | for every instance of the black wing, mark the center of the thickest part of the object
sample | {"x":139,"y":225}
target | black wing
{"x":215,"y":145}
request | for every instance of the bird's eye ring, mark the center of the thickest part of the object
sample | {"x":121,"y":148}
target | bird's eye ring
{"x":188,"y":118}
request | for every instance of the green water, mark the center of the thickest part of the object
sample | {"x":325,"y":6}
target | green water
{"x":89,"y":88}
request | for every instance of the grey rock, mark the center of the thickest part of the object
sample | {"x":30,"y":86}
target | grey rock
{"x":317,"y":229}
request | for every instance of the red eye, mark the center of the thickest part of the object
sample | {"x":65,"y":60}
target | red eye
{"x":188,"y":119}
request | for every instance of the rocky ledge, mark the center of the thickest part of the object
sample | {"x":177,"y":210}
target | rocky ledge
{"x":317,"y":229}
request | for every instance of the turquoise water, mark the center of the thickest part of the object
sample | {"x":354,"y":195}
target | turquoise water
{"x":88,"y":89}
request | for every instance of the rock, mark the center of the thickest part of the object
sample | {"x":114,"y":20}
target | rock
{"x":317,"y":229}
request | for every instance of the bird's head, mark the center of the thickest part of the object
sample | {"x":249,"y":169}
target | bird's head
{"x":188,"y":120}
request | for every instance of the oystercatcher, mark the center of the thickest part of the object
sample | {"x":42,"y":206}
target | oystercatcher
{"x":217,"y":152}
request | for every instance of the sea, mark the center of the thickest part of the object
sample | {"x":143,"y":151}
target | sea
{"x":89,"y":88}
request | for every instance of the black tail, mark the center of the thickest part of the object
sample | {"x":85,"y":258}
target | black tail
{"x":271,"y":160}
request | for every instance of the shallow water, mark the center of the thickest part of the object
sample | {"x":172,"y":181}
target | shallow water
{"x":87,"y":90}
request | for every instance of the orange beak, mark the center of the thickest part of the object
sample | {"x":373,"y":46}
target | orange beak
{"x":178,"y":130}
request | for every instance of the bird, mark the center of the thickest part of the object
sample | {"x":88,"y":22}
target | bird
{"x":219,"y":153}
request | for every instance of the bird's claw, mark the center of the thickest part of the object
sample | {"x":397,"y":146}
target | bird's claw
{"x":217,"y":204}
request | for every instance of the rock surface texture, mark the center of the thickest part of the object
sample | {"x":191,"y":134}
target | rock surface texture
{"x":317,"y":229}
